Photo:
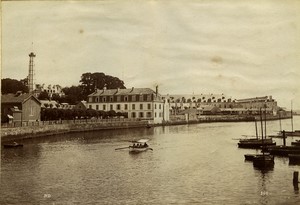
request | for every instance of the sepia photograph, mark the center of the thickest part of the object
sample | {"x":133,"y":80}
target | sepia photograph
{"x":150,"y":102}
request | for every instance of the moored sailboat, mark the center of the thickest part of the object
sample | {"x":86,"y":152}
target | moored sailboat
{"x":284,"y":150}
{"x":263,"y":161}
{"x":255,"y":143}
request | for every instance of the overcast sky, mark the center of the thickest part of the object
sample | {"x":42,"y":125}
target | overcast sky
{"x":239,"y":48}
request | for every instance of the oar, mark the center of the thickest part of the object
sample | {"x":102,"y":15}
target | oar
{"x":121,"y":148}
{"x":150,"y":149}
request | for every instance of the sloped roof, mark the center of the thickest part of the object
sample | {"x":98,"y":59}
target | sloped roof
{"x":197,"y":96}
{"x":210,"y":108}
{"x":264,"y":98}
{"x":83,"y":102}
{"x":15,"y":110}
{"x":13,"y":98}
{"x":49,"y":102}
{"x":131,"y":91}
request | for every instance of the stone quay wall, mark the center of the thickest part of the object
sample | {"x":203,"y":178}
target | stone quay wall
{"x":14,"y":133}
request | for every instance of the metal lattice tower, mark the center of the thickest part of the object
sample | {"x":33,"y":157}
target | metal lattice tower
{"x":31,"y":73}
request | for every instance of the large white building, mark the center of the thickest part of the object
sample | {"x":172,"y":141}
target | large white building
{"x":226,"y":104}
{"x":50,"y":89}
{"x":138,"y":103}
{"x":253,"y":105}
{"x":182,"y":102}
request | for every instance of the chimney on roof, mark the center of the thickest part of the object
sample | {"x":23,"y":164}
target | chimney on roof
{"x":156,"y":90}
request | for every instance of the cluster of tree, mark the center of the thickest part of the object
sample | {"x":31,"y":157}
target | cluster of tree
{"x":71,"y":114}
{"x":12,"y":86}
{"x":88,"y":83}
{"x":74,"y":94}
{"x":4,"y":119}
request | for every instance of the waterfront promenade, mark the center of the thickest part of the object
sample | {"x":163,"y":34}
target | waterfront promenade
{"x":15,"y":131}
{"x":46,"y":128}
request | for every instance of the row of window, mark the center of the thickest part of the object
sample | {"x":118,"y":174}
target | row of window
{"x":122,"y":98}
{"x":199,"y":100}
{"x":133,"y":107}
{"x":148,"y":114}
{"x":140,"y":114}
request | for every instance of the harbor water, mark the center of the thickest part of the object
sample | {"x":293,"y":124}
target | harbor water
{"x":189,"y":164}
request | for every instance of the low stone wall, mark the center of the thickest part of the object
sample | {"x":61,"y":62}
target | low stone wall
{"x":9,"y":134}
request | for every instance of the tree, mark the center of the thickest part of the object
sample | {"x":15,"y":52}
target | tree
{"x":12,"y":86}
{"x":55,"y":97}
{"x":73,"y":95}
{"x":91,"y":113}
{"x":43,"y":96}
{"x":111,"y":113}
{"x":53,"y":114}
{"x":90,"y":81}
{"x":4,"y":119}
{"x":24,"y":81}
{"x":102,"y":114}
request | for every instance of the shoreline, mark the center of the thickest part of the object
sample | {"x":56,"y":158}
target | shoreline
{"x":28,"y":132}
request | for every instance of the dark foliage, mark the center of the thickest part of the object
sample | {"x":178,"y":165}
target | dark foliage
{"x":43,"y":96}
{"x":90,"y":81}
{"x":71,"y":114}
{"x":12,"y":86}
{"x":73,"y":95}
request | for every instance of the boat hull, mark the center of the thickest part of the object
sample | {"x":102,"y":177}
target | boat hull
{"x":12,"y":145}
{"x":294,"y":158}
{"x":250,"y":157}
{"x":297,"y":143}
{"x":263,"y":161}
{"x":255,"y":145}
{"x":284,"y":150}
{"x":135,"y":150}
{"x":292,"y":133}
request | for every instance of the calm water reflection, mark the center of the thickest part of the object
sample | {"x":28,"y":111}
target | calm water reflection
{"x":198,"y":164}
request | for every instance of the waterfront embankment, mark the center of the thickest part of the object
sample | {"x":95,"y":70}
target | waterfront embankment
{"x":222,"y":118}
{"x":39,"y":129}
{"x":17,"y":133}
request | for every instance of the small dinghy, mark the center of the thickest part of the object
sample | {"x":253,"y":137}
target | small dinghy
{"x":137,"y":146}
{"x":13,"y":145}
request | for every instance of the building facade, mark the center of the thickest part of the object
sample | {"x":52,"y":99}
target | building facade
{"x":21,"y":107}
{"x":227,"y":105}
{"x":254,"y":105}
{"x":50,"y":89}
{"x":183,"y":102}
{"x":138,"y":103}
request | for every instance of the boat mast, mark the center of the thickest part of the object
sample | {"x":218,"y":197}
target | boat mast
{"x":292,"y":116}
{"x":265,"y":121}
{"x":261,"y":124}
{"x":262,"y":133}
{"x":279,"y":121}
{"x":256,"y":129}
